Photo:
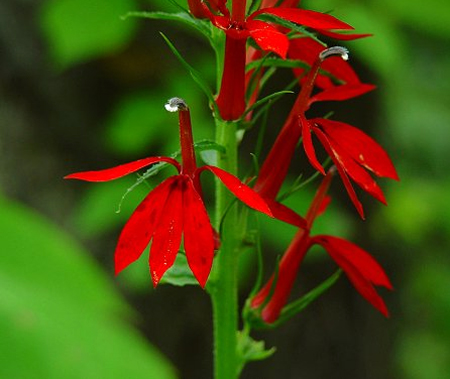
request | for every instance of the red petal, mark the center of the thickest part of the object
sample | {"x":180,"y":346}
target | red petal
{"x":268,"y":37}
{"x":361,"y":259}
{"x":360,"y":147}
{"x":138,"y":230}
{"x":360,"y":267}
{"x":343,"y":37}
{"x":307,"y":50}
{"x":323,"y":205}
{"x":357,"y":173}
{"x":342,"y":92}
{"x":348,"y":185}
{"x":198,"y":234}
{"x":308,"y":145}
{"x":119,"y":171}
{"x":167,"y":235}
{"x":240,"y":190}
{"x":285,"y":214}
{"x":312,"y":19}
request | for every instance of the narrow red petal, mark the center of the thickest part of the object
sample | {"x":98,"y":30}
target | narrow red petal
{"x":167,"y":235}
{"x":307,"y":50}
{"x":360,"y":147}
{"x":343,"y":37}
{"x":268,"y":37}
{"x":323,"y":205}
{"x":356,"y":273}
{"x":120,"y":171}
{"x":357,"y":173}
{"x":359,"y":258}
{"x":138,"y":230}
{"x":312,"y":19}
{"x":240,"y":190}
{"x":198,"y":234}
{"x":348,"y":185}
{"x":285,"y":214}
{"x":308,"y":145}
{"x":342,"y":92}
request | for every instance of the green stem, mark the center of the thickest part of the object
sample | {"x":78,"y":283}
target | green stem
{"x":224,"y":284}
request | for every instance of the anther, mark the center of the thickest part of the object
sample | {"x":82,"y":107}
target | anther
{"x":334,"y":50}
{"x":176,"y":104}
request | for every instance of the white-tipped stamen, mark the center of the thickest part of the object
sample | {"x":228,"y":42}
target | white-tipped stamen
{"x":334,"y":50}
{"x":176,"y":104}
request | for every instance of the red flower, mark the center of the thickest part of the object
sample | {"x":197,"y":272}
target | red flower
{"x":351,"y":150}
{"x":361,"y":269}
{"x":173,"y":209}
{"x":238,"y":27}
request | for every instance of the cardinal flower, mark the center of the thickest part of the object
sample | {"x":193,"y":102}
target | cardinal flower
{"x":173,"y":209}
{"x":351,"y":150}
{"x":361,"y":269}
{"x":238,"y":28}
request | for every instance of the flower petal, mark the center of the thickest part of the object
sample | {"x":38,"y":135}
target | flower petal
{"x":307,"y":50}
{"x":357,"y":173}
{"x":360,"y":147}
{"x":167,"y":235}
{"x":308,"y":145}
{"x":341,"y":36}
{"x":268,"y":37}
{"x":342,"y":92}
{"x":120,"y":171}
{"x":198,"y":234}
{"x":285,"y":214}
{"x":240,"y":190}
{"x":312,"y":19}
{"x":348,"y":185}
{"x":138,"y":230}
{"x":360,"y":267}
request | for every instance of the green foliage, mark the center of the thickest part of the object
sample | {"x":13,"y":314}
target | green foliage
{"x":139,"y":120}
{"x":79,"y":30}
{"x":58,"y":312}
{"x":251,"y":350}
{"x":179,"y":274}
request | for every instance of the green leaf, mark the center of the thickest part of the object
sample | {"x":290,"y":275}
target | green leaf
{"x":194,"y":74}
{"x":267,"y":99}
{"x":297,"y":306}
{"x":209,"y":151}
{"x":180,"y":273}
{"x":59,"y":313}
{"x":277,"y":62}
{"x":201,"y":26}
{"x":290,"y":25}
{"x":251,"y":350}
{"x":79,"y":30}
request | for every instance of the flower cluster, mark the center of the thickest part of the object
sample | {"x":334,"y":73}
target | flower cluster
{"x":174,"y":211}
{"x":174,"y":208}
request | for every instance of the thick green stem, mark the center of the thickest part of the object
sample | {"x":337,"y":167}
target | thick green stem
{"x":224,"y":278}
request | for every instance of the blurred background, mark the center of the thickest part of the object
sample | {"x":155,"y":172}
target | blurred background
{"x":82,"y":89}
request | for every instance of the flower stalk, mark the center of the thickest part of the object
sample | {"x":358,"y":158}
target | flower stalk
{"x":224,"y":281}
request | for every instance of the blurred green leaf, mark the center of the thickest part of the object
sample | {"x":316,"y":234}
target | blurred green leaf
{"x":200,"y":25}
{"x":423,"y":355}
{"x":139,"y":120}
{"x":59,"y":315}
{"x":431,"y":17}
{"x":98,"y":210}
{"x":79,"y":30}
